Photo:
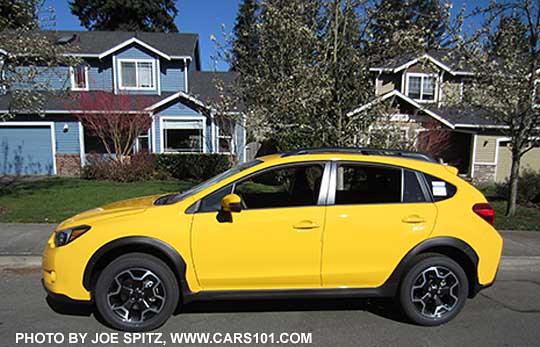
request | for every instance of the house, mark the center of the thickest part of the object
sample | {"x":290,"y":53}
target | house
{"x":162,"y":68}
{"x":429,"y":88}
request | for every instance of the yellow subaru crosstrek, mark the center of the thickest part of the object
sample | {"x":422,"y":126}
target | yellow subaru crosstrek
{"x":311,"y":223}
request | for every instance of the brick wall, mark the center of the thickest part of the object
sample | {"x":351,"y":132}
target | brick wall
{"x":68,"y":165}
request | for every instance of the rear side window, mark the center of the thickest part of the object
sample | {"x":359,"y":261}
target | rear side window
{"x":360,"y":184}
{"x":440,"y":189}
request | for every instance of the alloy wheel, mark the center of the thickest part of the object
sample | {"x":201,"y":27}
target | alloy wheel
{"x":435,"y":292}
{"x":136,"y":295}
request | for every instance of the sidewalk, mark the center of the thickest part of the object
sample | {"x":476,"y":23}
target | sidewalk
{"x":23,"y":243}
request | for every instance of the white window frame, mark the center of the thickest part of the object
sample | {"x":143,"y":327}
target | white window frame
{"x":229,"y":137}
{"x":423,"y":75}
{"x":162,"y":133}
{"x":136,"y":61}
{"x":137,"y":147}
{"x":72,"y":77}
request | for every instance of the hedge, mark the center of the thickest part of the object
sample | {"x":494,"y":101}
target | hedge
{"x":192,"y":166}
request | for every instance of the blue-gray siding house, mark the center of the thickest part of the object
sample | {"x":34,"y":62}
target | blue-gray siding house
{"x":164,"y":68}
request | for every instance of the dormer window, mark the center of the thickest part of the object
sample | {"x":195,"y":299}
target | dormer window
{"x":79,"y":77}
{"x":137,"y":74}
{"x":421,"y":86}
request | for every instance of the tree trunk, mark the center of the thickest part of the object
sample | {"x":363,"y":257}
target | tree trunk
{"x":513,"y":185}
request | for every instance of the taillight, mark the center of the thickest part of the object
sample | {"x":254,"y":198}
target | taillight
{"x":485,"y":211}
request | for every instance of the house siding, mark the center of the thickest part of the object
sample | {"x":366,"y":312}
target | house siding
{"x":54,"y":78}
{"x":172,"y":76}
{"x":100,"y":75}
{"x":530,"y":160}
{"x":67,"y":142}
{"x":486,"y":147}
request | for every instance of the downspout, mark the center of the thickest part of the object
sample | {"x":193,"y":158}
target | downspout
{"x":186,"y":89}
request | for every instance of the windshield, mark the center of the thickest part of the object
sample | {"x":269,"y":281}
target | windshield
{"x":174,"y":198}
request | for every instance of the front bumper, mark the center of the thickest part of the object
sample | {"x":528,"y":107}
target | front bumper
{"x":63,"y":269}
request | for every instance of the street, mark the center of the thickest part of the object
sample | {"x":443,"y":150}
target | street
{"x":507,"y":314}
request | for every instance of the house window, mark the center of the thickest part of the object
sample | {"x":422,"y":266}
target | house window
{"x":421,"y":86}
{"x":142,"y":143}
{"x":79,"y":77}
{"x":183,"y":136}
{"x":137,"y":74}
{"x":225,"y":138}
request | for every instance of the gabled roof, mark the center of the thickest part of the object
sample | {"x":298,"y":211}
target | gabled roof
{"x":204,"y":91}
{"x":99,"y":44}
{"x":448,"y":60}
{"x":452,"y":116}
{"x":404,"y":97}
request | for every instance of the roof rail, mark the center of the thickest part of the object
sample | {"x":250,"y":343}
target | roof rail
{"x":364,"y":151}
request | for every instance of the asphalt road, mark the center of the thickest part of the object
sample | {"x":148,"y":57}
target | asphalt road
{"x":508,"y":314}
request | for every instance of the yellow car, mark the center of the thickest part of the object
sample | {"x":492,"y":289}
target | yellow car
{"x":314,"y":223}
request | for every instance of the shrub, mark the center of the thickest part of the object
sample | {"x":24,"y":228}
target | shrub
{"x":528,"y":187}
{"x":192,"y":166}
{"x":139,"y":167}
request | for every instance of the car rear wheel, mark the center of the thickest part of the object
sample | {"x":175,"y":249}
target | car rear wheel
{"x":434,"y":290}
{"x":136,"y":292}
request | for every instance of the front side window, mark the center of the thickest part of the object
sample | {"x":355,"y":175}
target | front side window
{"x":361,"y":184}
{"x":79,"y":77}
{"x":421,"y":87}
{"x":289,"y":186}
{"x":137,"y":75}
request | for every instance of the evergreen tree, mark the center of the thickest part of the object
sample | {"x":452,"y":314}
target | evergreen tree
{"x":133,"y":15}
{"x":18,"y":14}
{"x":245,"y":31}
{"x":414,"y":24}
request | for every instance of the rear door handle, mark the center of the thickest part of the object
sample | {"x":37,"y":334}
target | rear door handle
{"x":306,"y":225}
{"x":413,"y":219}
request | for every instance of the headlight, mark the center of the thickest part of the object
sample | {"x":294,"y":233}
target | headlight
{"x":63,"y":237}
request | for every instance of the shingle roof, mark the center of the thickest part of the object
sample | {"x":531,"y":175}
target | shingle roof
{"x":97,"y":42}
{"x":450,"y":58}
{"x":209,"y":86}
{"x":69,"y":101}
{"x":470,"y":116}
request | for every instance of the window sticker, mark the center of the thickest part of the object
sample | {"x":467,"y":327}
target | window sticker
{"x":439,"y":188}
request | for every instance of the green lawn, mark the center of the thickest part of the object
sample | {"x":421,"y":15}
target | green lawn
{"x":526,"y":218}
{"x":55,"y":199}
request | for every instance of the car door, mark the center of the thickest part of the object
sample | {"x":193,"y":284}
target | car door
{"x":274,"y":242}
{"x":376,"y":214}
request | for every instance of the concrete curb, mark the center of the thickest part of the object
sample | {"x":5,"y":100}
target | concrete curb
{"x":507,"y":262}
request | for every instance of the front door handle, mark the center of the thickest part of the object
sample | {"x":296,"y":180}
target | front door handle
{"x":413,"y":219}
{"x":306,"y":225}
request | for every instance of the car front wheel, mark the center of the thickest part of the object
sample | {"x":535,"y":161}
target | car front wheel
{"x":434,"y":290}
{"x":136,"y":292}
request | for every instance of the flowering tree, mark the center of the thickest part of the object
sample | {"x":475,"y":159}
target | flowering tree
{"x":505,"y":55}
{"x":117,"y":120}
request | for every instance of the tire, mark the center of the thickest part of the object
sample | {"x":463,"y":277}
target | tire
{"x":434,"y":290}
{"x":136,"y":292}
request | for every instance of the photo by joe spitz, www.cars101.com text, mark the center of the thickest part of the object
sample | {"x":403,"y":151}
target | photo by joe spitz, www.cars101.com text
{"x":316,"y":223}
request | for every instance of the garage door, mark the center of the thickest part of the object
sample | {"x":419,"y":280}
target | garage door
{"x":26,"y":150}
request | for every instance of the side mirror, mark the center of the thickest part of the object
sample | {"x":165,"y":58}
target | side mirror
{"x":231,"y":203}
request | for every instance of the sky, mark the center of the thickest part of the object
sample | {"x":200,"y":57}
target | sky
{"x":204,"y":17}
